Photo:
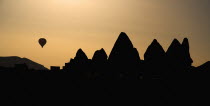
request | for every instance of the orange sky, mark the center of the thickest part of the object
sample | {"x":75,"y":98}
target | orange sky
{"x":92,"y":24}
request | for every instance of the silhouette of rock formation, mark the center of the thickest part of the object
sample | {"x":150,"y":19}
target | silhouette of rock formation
{"x":188,"y":60}
{"x":123,"y":50}
{"x":174,"y":51}
{"x":178,"y":54}
{"x":80,"y":65}
{"x":100,"y":57}
{"x":154,"y":51}
{"x":100,"y":64}
{"x":154,"y":60}
{"x":124,"y":58}
{"x":11,"y":61}
{"x":79,"y":60}
{"x":80,"y":57}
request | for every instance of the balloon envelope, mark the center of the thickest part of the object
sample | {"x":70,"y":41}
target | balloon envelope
{"x":42,"y":42}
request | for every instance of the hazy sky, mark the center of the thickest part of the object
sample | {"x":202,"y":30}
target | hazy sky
{"x":92,"y":24}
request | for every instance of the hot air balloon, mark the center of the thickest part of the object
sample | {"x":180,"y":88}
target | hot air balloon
{"x":42,"y":42}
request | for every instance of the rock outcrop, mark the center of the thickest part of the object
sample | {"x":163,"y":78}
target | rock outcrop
{"x":79,"y":63}
{"x":100,"y":64}
{"x":81,"y":57}
{"x":154,"y":61}
{"x":154,"y":51}
{"x":188,"y":60}
{"x":100,"y":57}
{"x":124,"y":59}
{"x":123,"y":51}
{"x":178,"y":54}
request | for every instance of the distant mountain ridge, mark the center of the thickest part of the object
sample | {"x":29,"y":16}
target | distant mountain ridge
{"x":10,"y":62}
